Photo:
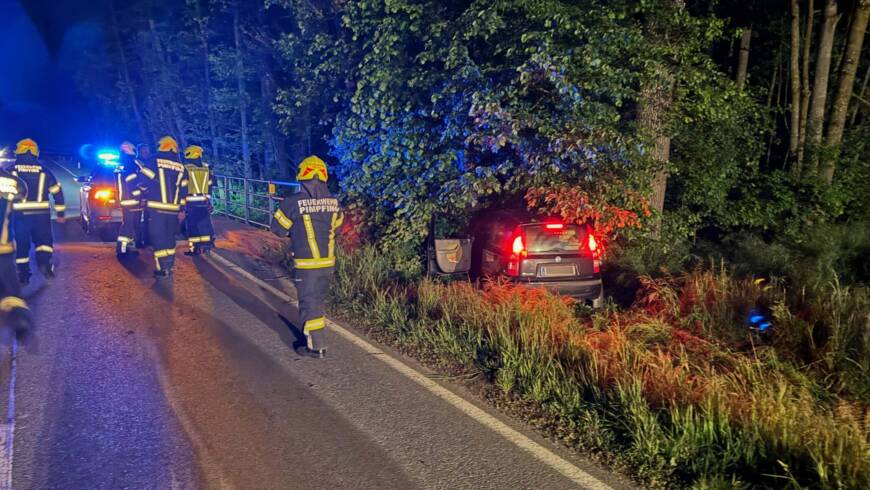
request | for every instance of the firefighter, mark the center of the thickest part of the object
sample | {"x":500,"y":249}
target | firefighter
{"x":128,"y":182}
{"x":32,"y":215}
{"x":12,"y":305}
{"x":311,"y":218}
{"x":200,"y":232}
{"x":164,"y":195}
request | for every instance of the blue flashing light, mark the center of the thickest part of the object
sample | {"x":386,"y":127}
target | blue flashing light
{"x":764,"y":326}
{"x":108,"y":157}
{"x":754,"y":319}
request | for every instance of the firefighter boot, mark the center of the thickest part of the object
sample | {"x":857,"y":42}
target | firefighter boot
{"x":20,"y":320}
{"x":163,"y":274}
{"x":315,"y":346}
{"x":304,"y":351}
{"x":47,"y":270}
{"x":24,"y":275}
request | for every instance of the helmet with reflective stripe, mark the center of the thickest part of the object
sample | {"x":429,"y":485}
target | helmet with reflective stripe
{"x":193,"y":152}
{"x":167,"y":143}
{"x":312,"y":167}
{"x":27,"y":146}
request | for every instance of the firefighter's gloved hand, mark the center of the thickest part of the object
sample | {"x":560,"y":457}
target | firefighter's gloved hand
{"x":60,"y":220}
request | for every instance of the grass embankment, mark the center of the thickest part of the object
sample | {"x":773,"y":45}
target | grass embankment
{"x":674,"y":389}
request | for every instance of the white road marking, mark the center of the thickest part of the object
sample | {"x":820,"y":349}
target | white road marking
{"x":7,"y":431}
{"x":541,"y":453}
{"x":53,"y":162}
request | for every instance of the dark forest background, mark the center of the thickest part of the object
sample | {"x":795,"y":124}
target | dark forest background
{"x":679,"y":118}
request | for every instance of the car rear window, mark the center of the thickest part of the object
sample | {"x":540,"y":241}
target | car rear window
{"x":540,"y":239}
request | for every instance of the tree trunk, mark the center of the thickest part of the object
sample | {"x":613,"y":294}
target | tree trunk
{"x":861,"y":95}
{"x":774,"y":88}
{"x":168,"y":96}
{"x":243,"y":98}
{"x":816,"y":122}
{"x":125,"y":73}
{"x":743,"y":57}
{"x":794,"y":78}
{"x":848,"y":70}
{"x":206,"y":66}
{"x":277,"y":142}
{"x":656,"y":96}
{"x":805,"y":82}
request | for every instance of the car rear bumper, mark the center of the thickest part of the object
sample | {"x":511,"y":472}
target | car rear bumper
{"x":103,"y":217}
{"x":582,"y":289}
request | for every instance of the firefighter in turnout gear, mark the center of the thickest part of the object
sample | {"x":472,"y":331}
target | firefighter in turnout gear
{"x":311,"y":218}
{"x":32,"y":215}
{"x":200,"y":232}
{"x":12,"y":305}
{"x":129,"y":184}
{"x":164,"y":196}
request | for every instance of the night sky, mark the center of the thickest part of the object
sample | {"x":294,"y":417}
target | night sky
{"x":41,"y":42}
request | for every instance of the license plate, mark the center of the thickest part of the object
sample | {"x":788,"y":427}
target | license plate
{"x":558,"y":270}
{"x":116,"y":213}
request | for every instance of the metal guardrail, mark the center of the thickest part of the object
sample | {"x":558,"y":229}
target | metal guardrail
{"x":253,"y":201}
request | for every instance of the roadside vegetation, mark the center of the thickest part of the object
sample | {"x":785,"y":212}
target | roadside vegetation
{"x":675,"y":389}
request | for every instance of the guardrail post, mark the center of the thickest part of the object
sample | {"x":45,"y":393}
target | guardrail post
{"x":226,"y":186}
{"x":271,"y":209}
{"x":247,"y":203}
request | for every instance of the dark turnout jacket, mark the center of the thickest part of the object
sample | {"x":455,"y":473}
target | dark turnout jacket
{"x":12,"y":190}
{"x":310,"y":218}
{"x":41,"y":183}
{"x":168,"y":179}
{"x":129,"y":182}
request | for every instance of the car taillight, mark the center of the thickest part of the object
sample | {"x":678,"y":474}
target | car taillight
{"x":555,"y":226}
{"x":104,"y":194}
{"x":593,"y":244}
{"x":518,"y":246}
{"x":518,"y":253}
{"x":595,"y":250}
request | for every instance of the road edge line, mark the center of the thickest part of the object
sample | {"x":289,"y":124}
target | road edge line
{"x":54,"y":162}
{"x":541,"y":453}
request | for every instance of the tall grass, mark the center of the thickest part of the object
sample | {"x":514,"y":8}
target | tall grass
{"x":676,"y":386}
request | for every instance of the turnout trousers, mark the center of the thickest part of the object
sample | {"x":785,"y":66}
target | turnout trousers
{"x":131,"y":231}
{"x":200,"y":231}
{"x":10,"y":290}
{"x":32,"y":228}
{"x":161,"y":236}
{"x":312,"y":286}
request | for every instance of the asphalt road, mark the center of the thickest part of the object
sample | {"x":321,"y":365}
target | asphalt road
{"x":129,"y":383}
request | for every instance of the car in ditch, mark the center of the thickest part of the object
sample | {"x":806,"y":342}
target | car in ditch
{"x":545,"y":252}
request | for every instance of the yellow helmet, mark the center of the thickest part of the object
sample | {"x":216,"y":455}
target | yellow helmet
{"x":27,"y":146}
{"x":167,"y":143}
{"x":193,"y":152}
{"x":312,"y":167}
